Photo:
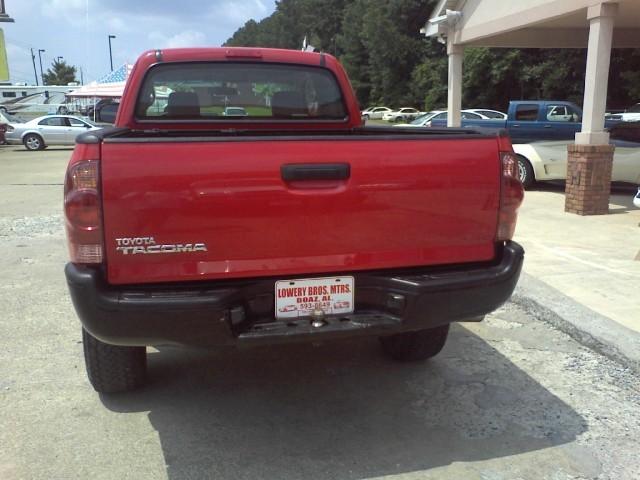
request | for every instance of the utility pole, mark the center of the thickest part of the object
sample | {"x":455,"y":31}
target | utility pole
{"x":40,"y":52}
{"x":81,"y":77}
{"x":110,"y":55}
{"x":35,"y":72}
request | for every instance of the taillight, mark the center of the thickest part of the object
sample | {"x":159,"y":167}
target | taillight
{"x":83,"y":211}
{"x":511,"y":196}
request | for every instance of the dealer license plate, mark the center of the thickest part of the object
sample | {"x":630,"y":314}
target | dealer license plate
{"x":298,"y":298}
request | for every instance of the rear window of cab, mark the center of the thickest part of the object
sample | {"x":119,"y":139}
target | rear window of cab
{"x":239,"y":91}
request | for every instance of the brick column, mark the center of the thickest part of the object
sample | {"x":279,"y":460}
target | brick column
{"x":588,"y":179}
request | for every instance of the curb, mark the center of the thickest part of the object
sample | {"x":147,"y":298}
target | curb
{"x":589,"y":328}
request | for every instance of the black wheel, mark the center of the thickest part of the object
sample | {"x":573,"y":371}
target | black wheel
{"x":33,"y":142}
{"x":413,"y":346}
{"x":525,"y":172}
{"x":112,"y":368}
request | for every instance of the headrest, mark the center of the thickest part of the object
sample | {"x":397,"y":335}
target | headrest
{"x":183,"y":104}
{"x":286,"y":104}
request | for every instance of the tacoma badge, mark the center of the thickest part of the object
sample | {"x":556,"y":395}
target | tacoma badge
{"x":144,"y":245}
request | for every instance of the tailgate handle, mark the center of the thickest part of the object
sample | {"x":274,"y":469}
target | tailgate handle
{"x":320,"y":171}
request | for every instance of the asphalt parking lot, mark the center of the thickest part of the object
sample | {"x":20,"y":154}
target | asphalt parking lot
{"x":509,"y":398}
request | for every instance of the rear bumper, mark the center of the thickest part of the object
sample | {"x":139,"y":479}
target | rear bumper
{"x":241,"y":312}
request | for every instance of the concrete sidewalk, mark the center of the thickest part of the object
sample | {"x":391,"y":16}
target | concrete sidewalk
{"x":593,"y":261}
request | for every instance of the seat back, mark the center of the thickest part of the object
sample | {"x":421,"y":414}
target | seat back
{"x":286,"y":104}
{"x":183,"y":104}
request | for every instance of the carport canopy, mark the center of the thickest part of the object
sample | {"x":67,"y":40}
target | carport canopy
{"x":592,"y":24}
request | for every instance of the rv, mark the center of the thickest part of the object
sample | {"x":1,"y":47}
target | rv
{"x":28,"y":101}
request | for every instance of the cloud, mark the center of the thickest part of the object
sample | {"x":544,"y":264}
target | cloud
{"x":239,"y":12}
{"x":117,"y":24}
{"x":70,"y":9}
{"x":187,"y":38}
{"x":20,"y":65}
{"x":78,"y":29}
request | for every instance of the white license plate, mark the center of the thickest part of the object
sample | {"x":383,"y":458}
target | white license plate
{"x":298,"y":298}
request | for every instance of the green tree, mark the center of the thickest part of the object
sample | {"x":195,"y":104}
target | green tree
{"x":389,"y":62}
{"x":59,"y":74}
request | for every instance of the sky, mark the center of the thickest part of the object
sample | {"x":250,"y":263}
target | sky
{"x":78,"y":30}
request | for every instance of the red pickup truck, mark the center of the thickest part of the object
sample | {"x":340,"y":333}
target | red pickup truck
{"x":238,"y":200}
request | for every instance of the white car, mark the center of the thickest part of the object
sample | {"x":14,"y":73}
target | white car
{"x":547,"y":160}
{"x":402,"y":115}
{"x":235,"y":112}
{"x":374,"y":113}
{"x":425,"y":119}
{"x":630,"y":115}
{"x":41,"y":132}
{"x":487,"y":114}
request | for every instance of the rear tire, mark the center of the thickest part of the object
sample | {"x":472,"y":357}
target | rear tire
{"x":525,"y":172}
{"x":112,"y":368}
{"x":33,"y":142}
{"x":414,"y":346}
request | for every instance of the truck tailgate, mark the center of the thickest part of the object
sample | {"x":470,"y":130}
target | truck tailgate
{"x":186,"y":210}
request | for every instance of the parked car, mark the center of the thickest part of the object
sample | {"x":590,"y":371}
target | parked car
{"x":547,"y":160}
{"x":41,"y":132}
{"x":425,"y":119}
{"x":235,"y":112}
{"x":487,"y":114}
{"x":92,"y":111}
{"x":374,"y":113}
{"x":402,"y":115}
{"x":531,"y":120}
{"x":632,"y":114}
{"x":7,"y":118}
{"x":170,"y":247}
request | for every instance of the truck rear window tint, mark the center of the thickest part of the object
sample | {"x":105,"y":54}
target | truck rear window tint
{"x":527,"y":112}
{"x":239,"y":91}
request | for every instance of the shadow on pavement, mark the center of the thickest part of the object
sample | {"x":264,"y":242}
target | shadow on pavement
{"x":621,"y":194}
{"x":20,"y":148}
{"x":342,"y":410}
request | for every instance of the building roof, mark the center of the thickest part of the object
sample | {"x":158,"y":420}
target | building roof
{"x":531,"y":23}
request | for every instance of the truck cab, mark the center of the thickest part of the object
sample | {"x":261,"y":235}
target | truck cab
{"x":538,"y":120}
{"x":532,"y":120}
{"x":292,"y":223}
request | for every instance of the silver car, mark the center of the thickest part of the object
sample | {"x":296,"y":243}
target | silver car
{"x":41,"y":132}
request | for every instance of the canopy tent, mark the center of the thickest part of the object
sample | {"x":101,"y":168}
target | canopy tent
{"x":110,"y":86}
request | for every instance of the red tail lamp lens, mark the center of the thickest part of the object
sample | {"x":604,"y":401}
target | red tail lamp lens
{"x":83,"y":212}
{"x":83,"y":208}
{"x":511,"y":196}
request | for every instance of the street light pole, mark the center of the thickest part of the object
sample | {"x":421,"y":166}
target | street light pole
{"x":110,"y":55}
{"x":40,"y":52}
{"x":35,"y":71}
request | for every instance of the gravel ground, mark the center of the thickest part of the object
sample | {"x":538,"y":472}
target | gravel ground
{"x":509,"y":398}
